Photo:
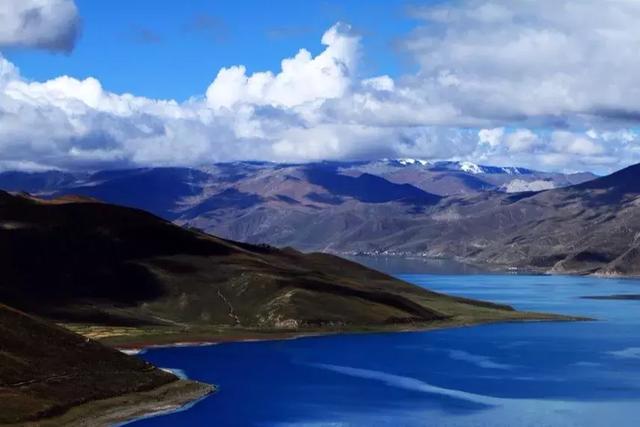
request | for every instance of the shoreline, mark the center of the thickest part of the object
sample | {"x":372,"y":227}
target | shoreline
{"x":127,"y":408}
{"x":136,"y":347}
{"x":184,"y":393}
{"x":496,"y":268}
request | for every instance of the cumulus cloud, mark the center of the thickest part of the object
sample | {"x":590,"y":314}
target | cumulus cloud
{"x":493,"y":137}
{"x":571,"y":151}
{"x":44,"y":24}
{"x":302,"y":79}
{"x":523,"y":84}
{"x":544,"y":59}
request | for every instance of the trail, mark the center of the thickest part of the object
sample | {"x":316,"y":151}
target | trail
{"x":232,"y":313}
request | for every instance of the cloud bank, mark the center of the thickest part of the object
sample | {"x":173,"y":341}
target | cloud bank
{"x":544,"y":84}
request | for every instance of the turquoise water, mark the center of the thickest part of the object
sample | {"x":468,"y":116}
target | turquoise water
{"x":533,"y":374}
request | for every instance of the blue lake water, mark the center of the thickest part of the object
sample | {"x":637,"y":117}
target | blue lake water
{"x":529,"y":374}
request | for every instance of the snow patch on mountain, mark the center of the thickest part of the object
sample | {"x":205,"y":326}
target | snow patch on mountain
{"x":408,"y":161}
{"x":520,"y":185}
{"x":471,"y":168}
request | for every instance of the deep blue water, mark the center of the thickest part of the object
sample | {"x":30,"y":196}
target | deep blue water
{"x":534,"y":374}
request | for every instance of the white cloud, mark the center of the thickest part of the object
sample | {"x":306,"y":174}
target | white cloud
{"x":382,"y":83}
{"x":576,"y":144}
{"x":531,"y":59}
{"x":493,"y":137}
{"x":45,"y":24}
{"x":491,"y":89}
{"x":302,"y":79}
{"x":522,"y":141}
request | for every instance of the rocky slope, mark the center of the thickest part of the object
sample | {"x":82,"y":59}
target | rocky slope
{"x":591,"y":228}
{"x":588,"y":228}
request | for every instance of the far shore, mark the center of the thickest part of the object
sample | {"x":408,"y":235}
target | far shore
{"x":491,"y":268}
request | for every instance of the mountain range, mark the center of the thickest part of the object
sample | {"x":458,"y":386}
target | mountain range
{"x":575,"y":223}
{"x":177,"y":192}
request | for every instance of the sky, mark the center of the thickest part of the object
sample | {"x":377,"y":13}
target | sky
{"x":135,"y":46}
{"x":545,"y":84}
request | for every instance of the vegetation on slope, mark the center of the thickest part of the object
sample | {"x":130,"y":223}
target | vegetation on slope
{"x":46,"y":369}
{"x":86,"y":262}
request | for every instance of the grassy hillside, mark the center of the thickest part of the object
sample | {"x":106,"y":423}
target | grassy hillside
{"x":84,"y":262}
{"x":46,"y":370}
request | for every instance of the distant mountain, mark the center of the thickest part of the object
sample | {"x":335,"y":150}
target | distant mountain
{"x":424,"y":174}
{"x":588,"y":228}
{"x":37,"y":182}
{"x":157,"y":190}
{"x":458,"y":178}
{"x":442,"y":209}
{"x":592,"y":227}
{"x":185,"y":194}
{"x":366,"y":187}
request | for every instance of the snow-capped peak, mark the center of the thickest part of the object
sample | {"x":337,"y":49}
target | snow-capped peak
{"x":511,"y":170}
{"x":475,"y":169}
{"x":408,"y":161}
{"x":471,"y":168}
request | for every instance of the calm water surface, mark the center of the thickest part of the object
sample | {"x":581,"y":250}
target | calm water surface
{"x":536,"y":374}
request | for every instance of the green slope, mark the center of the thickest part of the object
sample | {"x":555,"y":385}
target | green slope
{"x":91,"y":263}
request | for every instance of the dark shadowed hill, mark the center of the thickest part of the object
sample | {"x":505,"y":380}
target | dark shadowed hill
{"x":36,"y":182}
{"x":99,"y":263}
{"x":366,"y":188}
{"x":157,"y":190}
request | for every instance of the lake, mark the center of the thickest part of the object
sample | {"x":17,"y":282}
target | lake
{"x":525,"y":374}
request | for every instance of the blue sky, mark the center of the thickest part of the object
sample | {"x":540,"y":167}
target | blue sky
{"x":545,"y":84}
{"x":173,"y":49}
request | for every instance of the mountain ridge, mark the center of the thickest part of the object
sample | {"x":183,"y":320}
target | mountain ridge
{"x":351,"y":208}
